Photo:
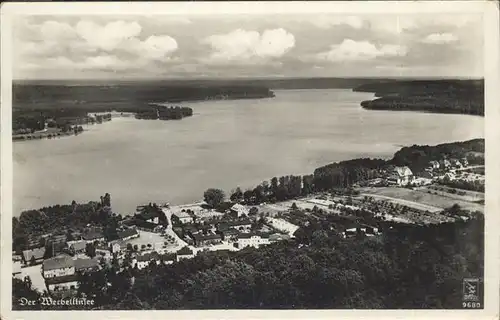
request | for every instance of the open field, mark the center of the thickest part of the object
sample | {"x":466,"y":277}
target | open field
{"x":155,"y":239}
{"x":469,"y":196}
{"x":419,"y":198}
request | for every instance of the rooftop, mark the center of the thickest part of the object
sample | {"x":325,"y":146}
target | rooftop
{"x":92,"y":235}
{"x":63,"y":279}
{"x":58,"y":262}
{"x":37,"y":253}
{"x":86,"y":264}
{"x":79,"y":245}
{"x":127,"y":233}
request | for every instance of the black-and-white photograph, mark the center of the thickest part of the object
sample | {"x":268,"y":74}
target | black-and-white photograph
{"x":269,"y":161}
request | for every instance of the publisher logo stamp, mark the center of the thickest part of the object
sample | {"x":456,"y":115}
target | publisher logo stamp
{"x":471,"y":290}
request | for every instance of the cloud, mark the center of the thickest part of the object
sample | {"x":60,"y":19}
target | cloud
{"x":440,"y":38}
{"x":350,"y":50}
{"x":56,"y":30}
{"x":244,"y":45}
{"x":325,"y":22}
{"x":109,"y":36}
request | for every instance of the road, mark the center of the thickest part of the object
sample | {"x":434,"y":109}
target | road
{"x":170,"y":231}
{"x":470,"y":167}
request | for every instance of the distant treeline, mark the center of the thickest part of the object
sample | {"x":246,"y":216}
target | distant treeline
{"x":441,"y":96}
{"x":90,"y":96}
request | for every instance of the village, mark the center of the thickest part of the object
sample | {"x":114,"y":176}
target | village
{"x":165,"y":234}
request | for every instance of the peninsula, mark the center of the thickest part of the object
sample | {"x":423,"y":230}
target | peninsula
{"x":439,"y":96}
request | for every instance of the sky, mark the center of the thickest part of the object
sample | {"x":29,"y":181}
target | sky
{"x":256,"y":46}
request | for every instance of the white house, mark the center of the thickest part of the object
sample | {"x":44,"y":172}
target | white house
{"x":58,"y":266}
{"x":400,"y":176}
{"x":184,"y":217}
{"x":240,"y":210}
{"x":251,"y":240}
{"x":56,"y":284}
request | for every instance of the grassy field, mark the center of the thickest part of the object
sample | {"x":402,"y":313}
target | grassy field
{"x":421,"y":197}
{"x":156,"y":240}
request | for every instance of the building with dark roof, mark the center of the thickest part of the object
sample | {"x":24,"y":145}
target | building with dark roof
{"x":128,"y":234}
{"x":62,"y":283}
{"x":185,"y":253}
{"x":86,"y":265}
{"x":92,"y":236}
{"x":58,"y":266}
{"x":205,"y":240}
{"x":78,"y":246}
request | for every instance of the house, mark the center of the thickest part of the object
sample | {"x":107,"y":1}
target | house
{"x":434,"y":164}
{"x":444,"y":164}
{"x":103,"y":250}
{"x":184,"y":216}
{"x":278,"y":237}
{"x":201,"y":240}
{"x":464,"y":162}
{"x":33,"y":255}
{"x":92,"y":236}
{"x":239,"y":210}
{"x":149,"y":216}
{"x":78,"y":246}
{"x":58,"y":242}
{"x":144,"y":260}
{"x":400,"y":176}
{"x":117,"y":246}
{"x":62,"y":283}
{"x":243,"y":224}
{"x":230,"y":234}
{"x":252,"y":240}
{"x":58,"y":266}
{"x":147,"y":226}
{"x":455,"y":163}
{"x":128,"y":234}
{"x":86,"y":265}
{"x":185,"y":253}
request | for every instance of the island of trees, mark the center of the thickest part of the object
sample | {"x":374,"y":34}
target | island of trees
{"x":440,"y":96}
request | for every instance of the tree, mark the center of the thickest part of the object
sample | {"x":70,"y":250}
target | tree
{"x":136,"y":247}
{"x":32,"y":261}
{"x":253,"y":211}
{"x":214,"y":197}
{"x":90,"y":250}
{"x":129,"y":247}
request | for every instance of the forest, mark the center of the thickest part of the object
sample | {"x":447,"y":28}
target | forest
{"x":411,"y":267}
{"x":440,"y":96}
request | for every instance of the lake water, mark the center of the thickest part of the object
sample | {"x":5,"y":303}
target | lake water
{"x":224,"y":145}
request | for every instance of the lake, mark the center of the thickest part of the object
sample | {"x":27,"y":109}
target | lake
{"x":224,"y":145}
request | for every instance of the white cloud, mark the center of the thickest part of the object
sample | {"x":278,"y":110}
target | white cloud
{"x":109,"y":36}
{"x":326,"y":22}
{"x":243,"y":45}
{"x":440,"y":38}
{"x":56,"y":30}
{"x":158,"y":47}
{"x":350,"y":50}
